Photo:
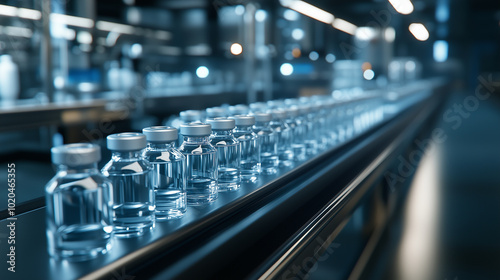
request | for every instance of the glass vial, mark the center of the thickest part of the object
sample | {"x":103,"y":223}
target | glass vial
{"x":201,"y":159}
{"x":268,"y":143}
{"x":79,"y":203}
{"x":169,"y":172}
{"x":309,"y":125}
{"x":296,"y":125}
{"x":284,"y":137}
{"x":319,"y":115}
{"x":250,"y":149}
{"x":133,"y":193}
{"x":228,"y":153}
{"x":215,"y":112}
{"x":239,"y":109}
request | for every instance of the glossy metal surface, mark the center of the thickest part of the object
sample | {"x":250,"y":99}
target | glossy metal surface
{"x":449,"y":227}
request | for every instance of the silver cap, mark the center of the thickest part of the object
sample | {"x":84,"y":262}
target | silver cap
{"x":263,"y":117}
{"x":275,"y":104}
{"x":127,"y":141}
{"x":330,"y":103}
{"x":190,"y":115}
{"x":316,"y":106}
{"x":304,"y":99}
{"x":291,"y":101}
{"x":221,"y":123}
{"x":239,"y":109}
{"x":292,"y":111}
{"x":278,"y":114}
{"x":243,"y":120}
{"x":216,"y":112}
{"x":76,"y":154}
{"x":196,"y":129}
{"x":304,"y":108}
{"x":160,"y":133}
{"x":258,"y":107}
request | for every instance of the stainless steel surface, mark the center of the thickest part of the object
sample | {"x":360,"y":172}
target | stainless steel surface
{"x":448,"y":228}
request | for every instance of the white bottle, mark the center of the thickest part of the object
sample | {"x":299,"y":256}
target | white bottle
{"x":9,"y":83}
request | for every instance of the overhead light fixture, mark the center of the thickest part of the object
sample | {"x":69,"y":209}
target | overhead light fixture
{"x":162,"y":35}
{"x":290,"y":15}
{"x":169,"y":50}
{"x":298,"y":34}
{"x":29,"y":14}
{"x":365,"y":33}
{"x":286,"y":69}
{"x":12,"y":11}
{"x":260,"y":15}
{"x":8,"y":11}
{"x":84,"y":37}
{"x":16,"y":31}
{"x":345,"y":26}
{"x":390,"y":34}
{"x":236,"y":49}
{"x":72,"y":20}
{"x":440,"y":49}
{"x":404,"y":7}
{"x":309,"y":10}
{"x":202,"y":72}
{"x":239,"y":10}
{"x":114,"y":27}
{"x":419,"y":31}
{"x":368,"y":74}
{"x":330,"y":58}
{"x":313,"y":56}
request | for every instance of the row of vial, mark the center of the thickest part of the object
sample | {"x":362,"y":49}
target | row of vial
{"x":154,"y":176}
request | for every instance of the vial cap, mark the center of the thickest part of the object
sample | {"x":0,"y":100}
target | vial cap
{"x":330,"y":103}
{"x":304,"y":99}
{"x":216,"y":112}
{"x":222,"y":123}
{"x":304,"y":109}
{"x":127,"y":141}
{"x":196,"y":129}
{"x":292,"y":111}
{"x":317,"y":106}
{"x":291,"y":101}
{"x":243,"y":120}
{"x":76,"y":154}
{"x":263,"y":117}
{"x":160,"y":133}
{"x":239,"y":109}
{"x":278,"y":114}
{"x":275,"y":104}
{"x":258,"y":107}
{"x":190,"y":115}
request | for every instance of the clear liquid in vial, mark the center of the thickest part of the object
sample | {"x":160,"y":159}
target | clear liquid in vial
{"x":201,"y":161}
{"x":228,"y":170}
{"x":168,"y":183}
{"x":77,"y":229}
{"x":133,"y":212}
{"x":250,"y":165}
{"x":201,"y":190}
